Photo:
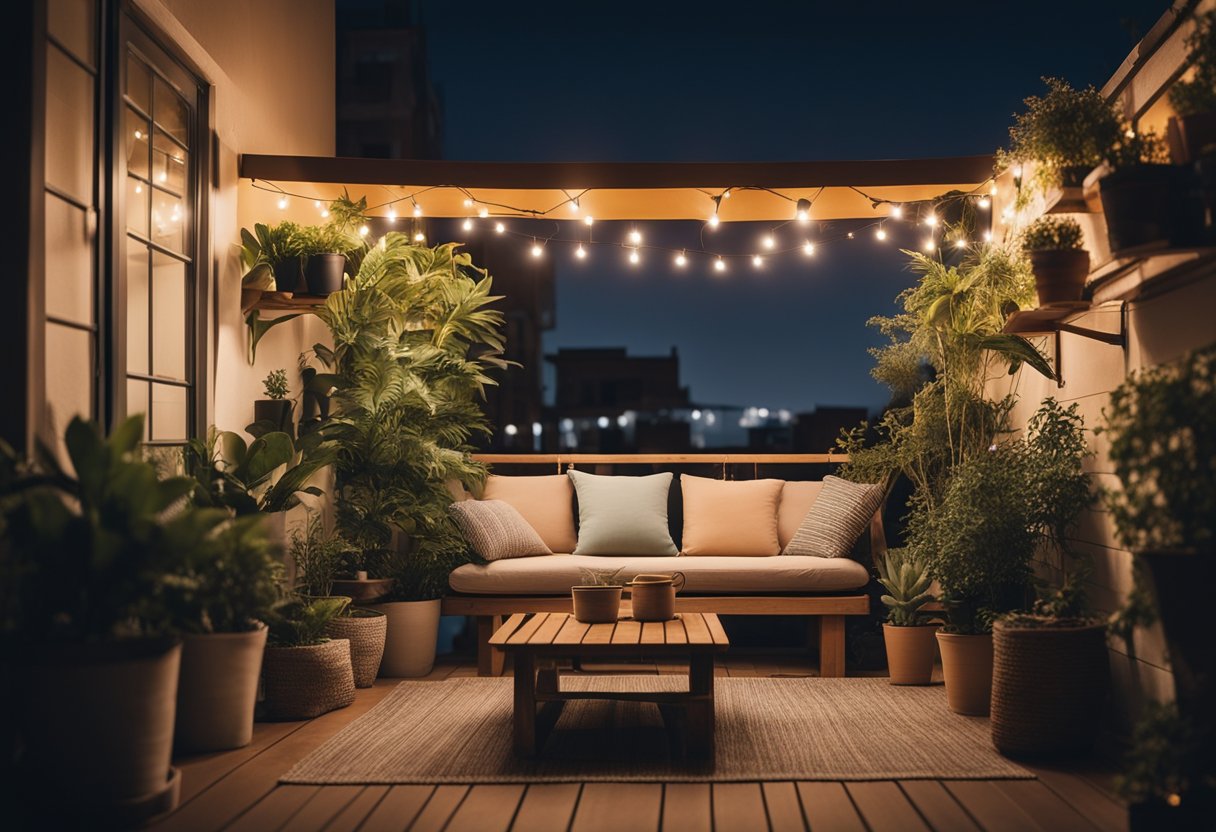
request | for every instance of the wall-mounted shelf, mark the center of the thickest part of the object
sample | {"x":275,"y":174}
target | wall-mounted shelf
{"x":1131,"y":271}
{"x":286,"y":302}
{"x":1075,"y":200}
{"x":1057,"y":319}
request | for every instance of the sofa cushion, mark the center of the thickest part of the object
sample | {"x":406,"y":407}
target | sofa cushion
{"x":729,"y":517}
{"x":546,"y":502}
{"x":797,"y":497}
{"x":723,"y":575}
{"x":496,"y":530}
{"x":836,"y":519}
{"x":622,"y":515}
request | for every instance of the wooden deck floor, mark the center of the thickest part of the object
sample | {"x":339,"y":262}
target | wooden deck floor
{"x":238,"y":790}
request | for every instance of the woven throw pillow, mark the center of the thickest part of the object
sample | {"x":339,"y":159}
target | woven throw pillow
{"x":729,"y":517}
{"x":836,"y":519}
{"x":496,"y":530}
{"x":622,"y":515}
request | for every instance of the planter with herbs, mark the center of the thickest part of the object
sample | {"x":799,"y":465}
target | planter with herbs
{"x":1056,"y":248}
{"x":1148,"y":202}
{"x":305,"y":673}
{"x":273,"y":413}
{"x":1191,"y":131}
{"x":908,"y":631}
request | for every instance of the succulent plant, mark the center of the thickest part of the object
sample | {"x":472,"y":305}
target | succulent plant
{"x":907,"y":583}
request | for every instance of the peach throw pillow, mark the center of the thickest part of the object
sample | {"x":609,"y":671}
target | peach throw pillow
{"x":726,"y":517}
{"x":796,"y":500}
{"x":547,"y":503}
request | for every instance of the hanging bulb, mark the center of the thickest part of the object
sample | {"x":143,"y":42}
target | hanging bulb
{"x":757,"y":261}
{"x":931,"y":220}
{"x":803,"y":212}
{"x":768,"y":241}
{"x":588,"y":219}
{"x":417,"y":210}
{"x":635,"y":236}
{"x":363,"y":230}
{"x":634,"y":257}
{"x":850,"y":235}
{"x":897,"y":211}
{"x":467,"y":225}
{"x":537,"y":251}
{"x":316,"y":203}
{"x":574,"y":205}
{"x":713,"y":220}
{"x":987,"y":236}
{"x":324,"y":213}
{"x":468,"y":203}
{"x":726,"y":194}
{"x":808,"y":249}
{"x":880,"y":235}
{"x":1017,"y":173}
{"x":282,"y":203}
{"x":392,"y":214}
{"x":929,"y":245}
{"x":419,"y":237}
{"x":960,"y":243}
{"x":483,"y":213}
{"x":720,"y":264}
{"x":499,"y":227}
{"x":580,"y":252}
{"x":984,"y":202}
{"x":681,"y":260}
{"x":139,"y":189}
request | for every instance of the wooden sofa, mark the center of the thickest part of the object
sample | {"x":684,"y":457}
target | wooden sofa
{"x":825,"y":611}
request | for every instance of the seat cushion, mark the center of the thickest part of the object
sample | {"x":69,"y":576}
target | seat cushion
{"x":496,"y":530}
{"x":836,"y":519}
{"x":622,"y":515}
{"x":546,"y":502}
{"x":730,"y":517}
{"x":797,"y":497}
{"x":722,"y":575}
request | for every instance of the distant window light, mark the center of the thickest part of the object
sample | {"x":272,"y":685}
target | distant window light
{"x":511,"y":430}
{"x":602,"y":422}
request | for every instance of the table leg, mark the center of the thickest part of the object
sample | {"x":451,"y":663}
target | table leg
{"x":699,"y":726}
{"x":546,"y":677}
{"x":525,"y":704}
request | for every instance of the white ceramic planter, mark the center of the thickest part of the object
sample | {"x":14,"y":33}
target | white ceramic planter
{"x":218,"y":690}
{"x":413,"y":629}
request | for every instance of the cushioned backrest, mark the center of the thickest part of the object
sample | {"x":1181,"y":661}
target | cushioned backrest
{"x":621,"y":515}
{"x":796,"y":500}
{"x":730,"y":517}
{"x":546,"y":502}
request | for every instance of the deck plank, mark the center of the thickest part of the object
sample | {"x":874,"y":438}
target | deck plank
{"x":323,"y":807}
{"x":784,"y":811}
{"x":938,"y":806}
{"x":1041,"y":803}
{"x":991,"y":807}
{"x":487,"y":808}
{"x":275,"y":810}
{"x":884,"y":807}
{"x":1092,"y":802}
{"x":611,"y":807}
{"x":354,"y":813}
{"x":828,"y":806}
{"x":687,"y":807}
{"x":201,"y":771}
{"x":444,"y":802}
{"x":547,"y":807}
{"x":398,"y":808}
{"x":738,"y":807}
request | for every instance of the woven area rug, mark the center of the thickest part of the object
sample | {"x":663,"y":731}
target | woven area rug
{"x":459,"y":731}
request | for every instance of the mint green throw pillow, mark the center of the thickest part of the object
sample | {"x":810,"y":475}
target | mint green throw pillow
{"x":622,"y":515}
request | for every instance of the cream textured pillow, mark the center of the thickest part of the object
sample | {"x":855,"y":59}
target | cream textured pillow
{"x":797,"y":497}
{"x":726,"y":517}
{"x":546,"y":502}
{"x":836,"y":519}
{"x":622,"y":515}
{"x":495,"y":530}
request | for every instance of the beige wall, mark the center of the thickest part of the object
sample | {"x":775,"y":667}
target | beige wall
{"x":271,"y":64}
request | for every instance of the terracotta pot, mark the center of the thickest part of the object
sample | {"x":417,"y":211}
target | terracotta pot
{"x":1187,"y":136}
{"x":365,"y":630}
{"x":1059,"y":274}
{"x":412,"y":631}
{"x":910,"y":653}
{"x":967,"y":666}
{"x":324,"y":273}
{"x":654,"y":596}
{"x":596,"y":604}
{"x":1048,"y":686}
{"x":307,"y":681}
{"x":218,"y":690}
{"x":1152,"y":205}
{"x":98,"y":719}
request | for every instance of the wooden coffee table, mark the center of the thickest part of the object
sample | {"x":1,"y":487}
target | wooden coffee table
{"x":539,"y":640}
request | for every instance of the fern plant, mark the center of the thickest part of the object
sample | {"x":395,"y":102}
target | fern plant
{"x":296,"y":622}
{"x":906,"y":581}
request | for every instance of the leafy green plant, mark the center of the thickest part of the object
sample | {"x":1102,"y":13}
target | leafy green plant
{"x":275,"y":385}
{"x":414,"y":339}
{"x":1049,"y":233}
{"x":331,"y":238}
{"x":297,"y":622}
{"x":229,"y":473}
{"x":232,"y":580}
{"x":266,"y":247}
{"x":100,"y":553}
{"x":1137,"y":148}
{"x":1066,"y":128}
{"x":907,"y":582}
{"x":319,"y":557}
{"x":1170,"y":759}
{"x":1198,"y":94}
{"x":1161,"y":427}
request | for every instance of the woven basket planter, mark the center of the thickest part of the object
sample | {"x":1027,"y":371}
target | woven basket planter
{"x":365,"y":630}
{"x":305,"y":682}
{"x":1048,"y":689}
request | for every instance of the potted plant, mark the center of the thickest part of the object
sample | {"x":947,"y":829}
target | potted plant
{"x":413,"y":339}
{"x":234,"y":583}
{"x":1051,"y":667}
{"x":274,"y":411}
{"x":1056,"y":248}
{"x":275,"y":249}
{"x":1192,"y":128}
{"x":1065,"y":133}
{"x":324,"y":249}
{"x":89,"y":610}
{"x":304,"y":672}
{"x":1146,"y":200}
{"x":908,"y":631}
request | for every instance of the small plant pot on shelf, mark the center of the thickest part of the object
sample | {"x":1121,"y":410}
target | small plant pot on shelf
{"x":411,"y":637}
{"x":289,"y":275}
{"x":967,"y":667}
{"x":218,"y":690}
{"x":910,"y":653}
{"x":1048,"y":686}
{"x":1148,"y":205}
{"x":1187,"y":136}
{"x":1059,"y":274}
{"x":365,"y":630}
{"x":323,"y":273}
{"x":306,"y":681}
{"x":596,"y":604}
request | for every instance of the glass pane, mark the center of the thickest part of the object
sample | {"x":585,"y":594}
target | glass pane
{"x":139,"y":83}
{"x":168,"y":164}
{"x":138,"y":195}
{"x":69,"y":376}
{"x":72,"y":23}
{"x":137,"y":307}
{"x":168,"y":221}
{"x":69,"y":262}
{"x":137,"y":401}
{"x":171,"y":112}
{"x":69,"y":126}
{"x":169,"y":413}
{"x":170,"y":327}
{"x":137,"y":137}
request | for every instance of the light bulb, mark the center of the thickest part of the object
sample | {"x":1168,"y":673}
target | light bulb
{"x":931,"y":220}
{"x":987,"y":236}
{"x":726,"y":194}
{"x":417,"y":210}
{"x":483,"y":213}
{"x":720,"y":265}
{"x":324,"y":213}
{"x":960,"y":243}
{"x":468,"y":203}
{"x":537,"y":251}
{"x":930,"y":245}
{"x":588,"y":219}
{"x":316,"y":203}
{"x":769,"y":242}
{"x":757,"y":261}
{"x":162,"y":176}
{"x":139,"y":189}
{"x":850,"y":235}
{"x":992,"y":190}
{"x":634,"y":257}
{"x":897,"y":211}
{"x":880,"y":234}
{"x":419,"y":237}
{"x":713,"y":220}
{"x":984,"y":202}
{"x":808,"y":249}
{"x":804,"y":210}
{"x":282,"y":203}
{"x":635,"y":236}
{"x":363,"y":230}
{"x":139,"y":134}
{"x":580,"y":252}
{"x":467,"y":225}
{"x":1017,"y":172}
{"x":392,"y":214}
{"x":681,"y":260}
{"x":499,"y":227}
{"x":574,"y":205}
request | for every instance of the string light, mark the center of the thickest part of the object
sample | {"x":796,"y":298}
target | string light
{"x":992,"y":190}
{"x":417,"y":210}
{"x":282,"y":202}
{"x":634,"y":257}
{"x":483,"y":212}
{"x":580,"y":252}
{"x":803,"y":211}
{"x":769,"y":242}
{"x":392,"y":214}
{"x":929,"y":245}
{"x":363,"y":230}
{"x":316,"y":203}
{"x":467,"y":225}
{"x":139,"y":134}
{"x":589,"y":220}
{"x":960,"y":243}
{"x":880,"y":234}
{"x":419,"y":237}
{"x":757,"y":261}
{"x":468,"y":203}
{"x":987,"y":236}
{"x":324,"y":213}
{"x":720,"y":264}
{"x":139,"y":189}
{"x":713,"y":220}
{"x":499,"y":227}
{"x":574,"y":206}
{"x":681,"y":260}
{"x":850,"y":235}
{"x":897,"y":211}
{"x":726,"y":194}
{"x":931,"y":220}
{"x":808,"y":249}
{"x":537,"y":251}
{"x":984,"y":202}
{"x":635,"y":236}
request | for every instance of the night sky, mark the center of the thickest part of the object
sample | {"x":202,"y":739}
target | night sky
{"x":752,"y":81}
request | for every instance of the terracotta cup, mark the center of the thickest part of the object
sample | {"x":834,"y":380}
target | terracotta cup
{"x":596,"y":604}
{"x":654,"y":596}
